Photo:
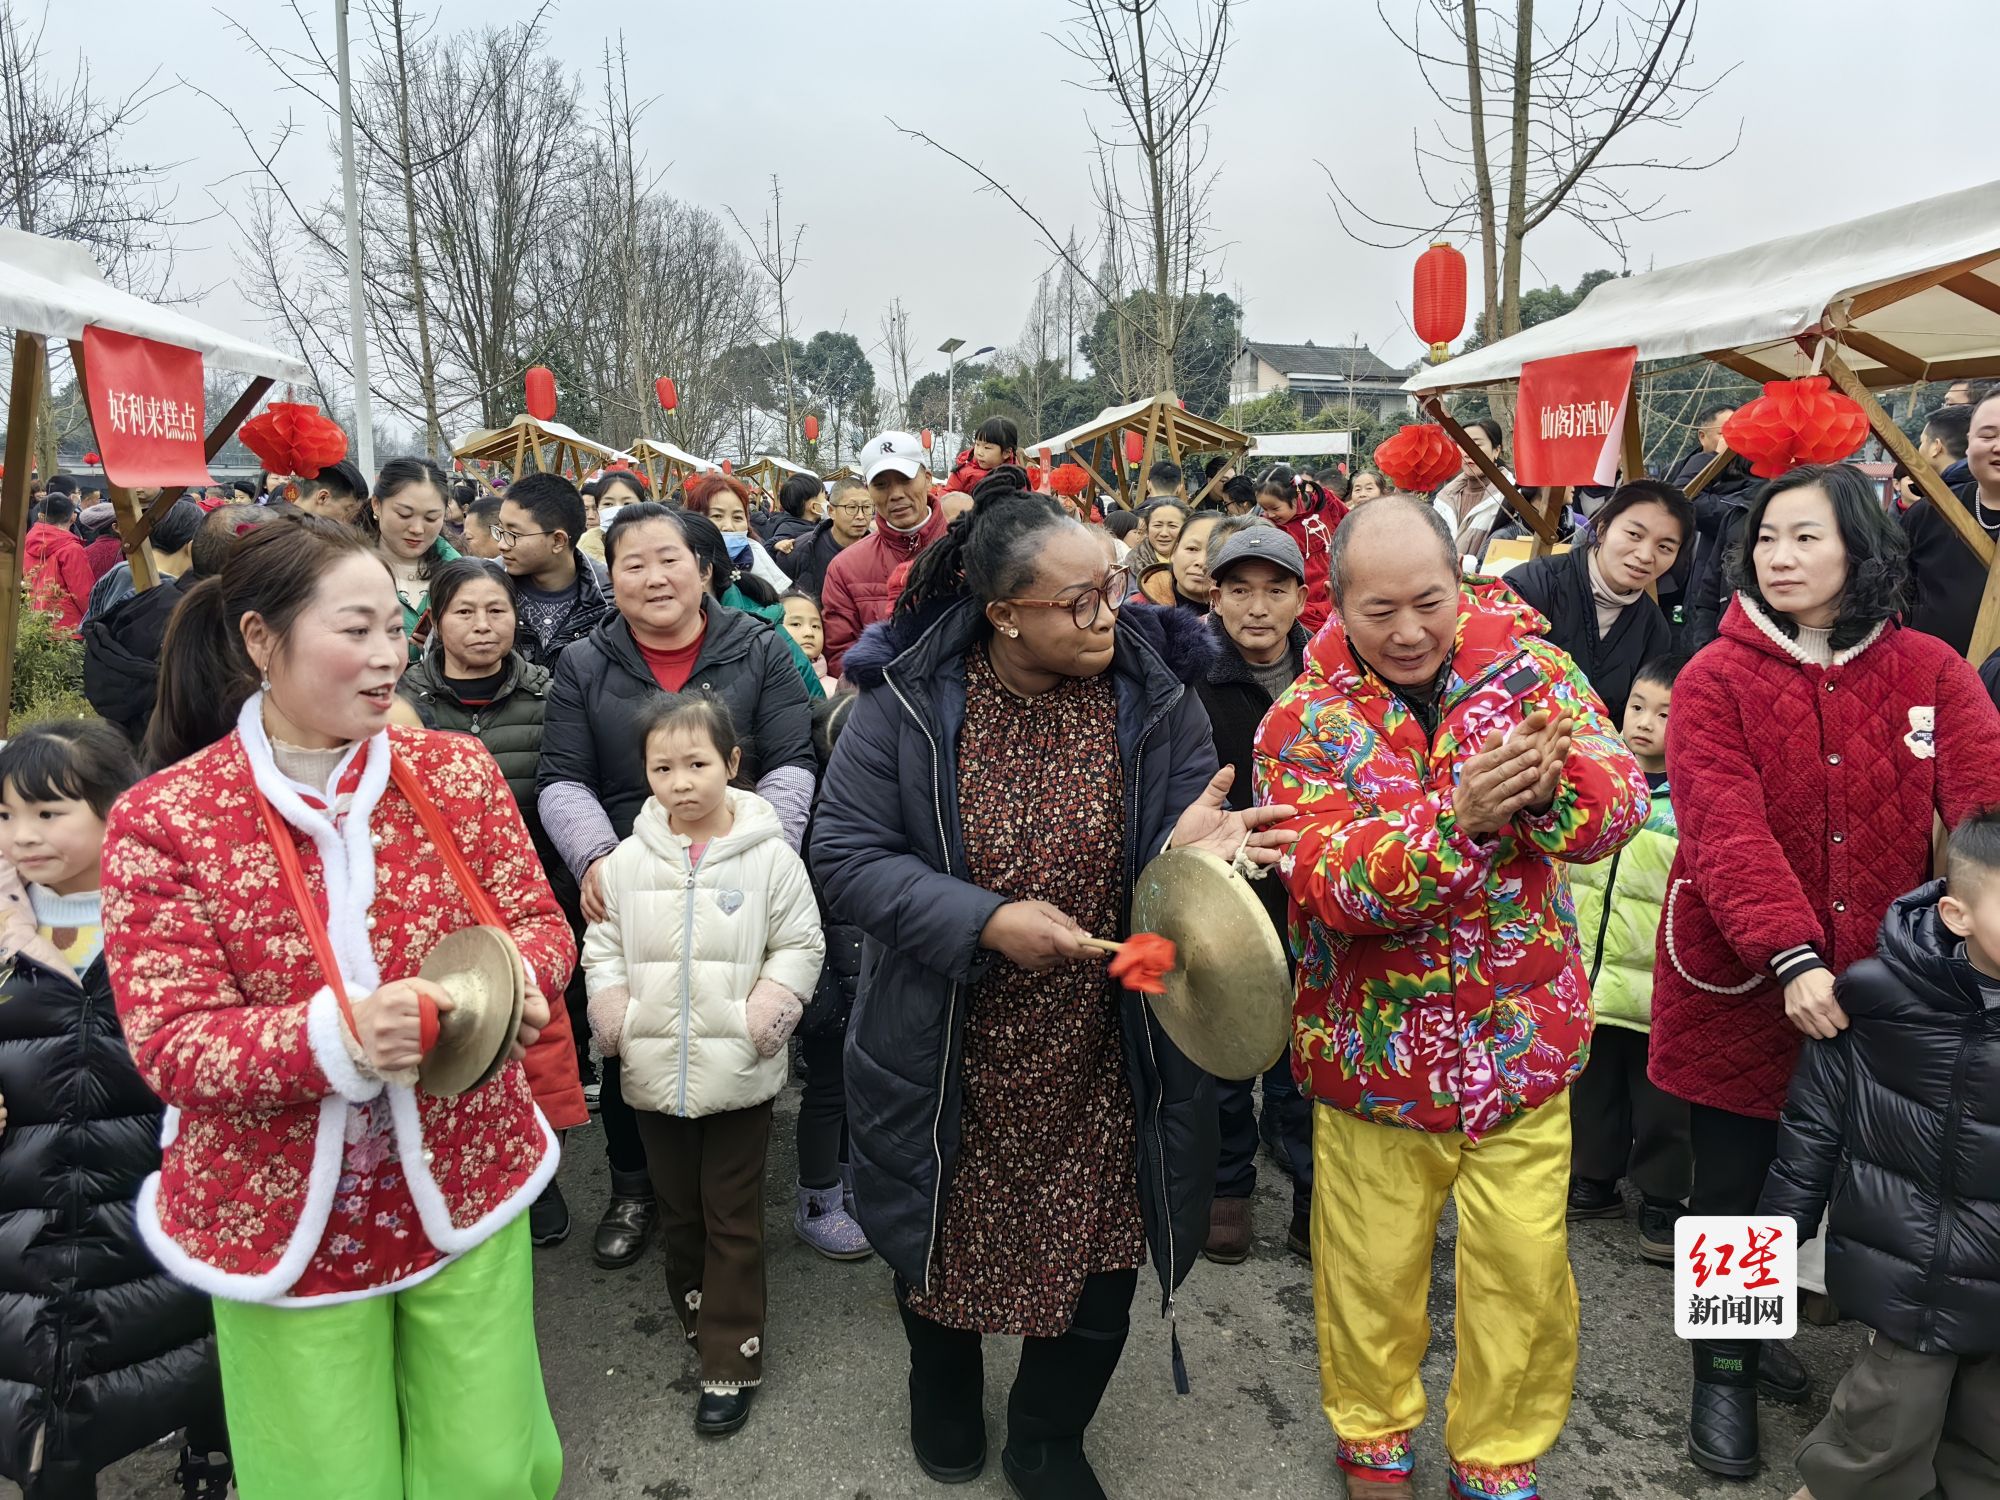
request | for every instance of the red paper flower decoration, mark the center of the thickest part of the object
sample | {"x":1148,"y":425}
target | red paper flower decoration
{"x":812,"y":429}
{"x":290,"y":437}
{"x":541,"y":393}
{"x":1419,"y":458}
{"x":669,"y":397}
{"x":1070,"y":480}
{"x":1796,"y":422}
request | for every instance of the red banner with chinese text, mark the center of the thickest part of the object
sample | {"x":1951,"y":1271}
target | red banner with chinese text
{"x":1571,"y":416}
{"x":146,"y":408}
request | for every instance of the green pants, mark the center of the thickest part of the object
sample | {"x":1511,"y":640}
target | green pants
{"x":434,"y":1393}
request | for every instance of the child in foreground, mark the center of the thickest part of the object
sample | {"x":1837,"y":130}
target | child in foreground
{"x":1897,"y":1120}
{"x":710,"y":942}
{"x":1622,"y":1123}
{"x":112,"y":1352}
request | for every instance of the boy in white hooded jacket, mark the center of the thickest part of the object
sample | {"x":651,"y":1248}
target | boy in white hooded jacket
{"x":710,"y":942}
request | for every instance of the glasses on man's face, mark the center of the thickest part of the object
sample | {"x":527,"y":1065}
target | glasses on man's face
{"x":860,"y":509}
{"x":506,"y":536}
{"x":1083,"y":606}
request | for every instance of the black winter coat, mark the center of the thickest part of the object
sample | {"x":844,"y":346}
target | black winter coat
{"x":602,"y":686}
{"x":121,"y":654}
{"x":100,"y":1350}
{"x":593,"y":603}
{"x":510,"y":727}
{"x":1236,"y":703}
{"x":1718,"y":523}
{"x":1946,"y":580}
{"x":889,"y":852}
{"x":807,"y":561}
{"x":1559,"y":587}
{"x":1897,"y":1122}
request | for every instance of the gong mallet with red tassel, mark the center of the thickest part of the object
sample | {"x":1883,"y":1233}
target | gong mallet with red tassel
{"x":1142,"y":962}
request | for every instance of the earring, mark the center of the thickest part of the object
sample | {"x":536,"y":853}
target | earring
{"x":1013,"y":632}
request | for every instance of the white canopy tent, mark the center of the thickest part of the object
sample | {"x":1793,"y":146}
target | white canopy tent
{"x":1301,"y":444}
{"x":1912,"y":292}
{"x":781,"y":463}
{"x":661,"y":448}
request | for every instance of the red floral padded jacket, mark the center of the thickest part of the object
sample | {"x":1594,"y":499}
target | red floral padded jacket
{"x":233,"y":1025}
{"x":1440,"y":985}
{"x":1804,"y":796}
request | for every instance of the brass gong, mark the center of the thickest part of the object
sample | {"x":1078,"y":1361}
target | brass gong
{"x":481,"y":969}
{"x":1228,"y":1004}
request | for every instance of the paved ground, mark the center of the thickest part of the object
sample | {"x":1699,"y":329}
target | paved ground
{"x":830,"y":1421}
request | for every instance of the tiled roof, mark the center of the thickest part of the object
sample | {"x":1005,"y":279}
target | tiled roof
{"x":1332,"y":361}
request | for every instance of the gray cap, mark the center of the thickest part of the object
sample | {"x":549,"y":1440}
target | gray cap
{"x":1260,"y":543}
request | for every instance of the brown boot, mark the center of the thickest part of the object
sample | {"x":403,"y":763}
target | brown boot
{"x":1228,"y":1231}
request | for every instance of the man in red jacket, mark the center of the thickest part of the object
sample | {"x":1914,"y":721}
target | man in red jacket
{"x":58,"y":574}
{"x":857,"y":592}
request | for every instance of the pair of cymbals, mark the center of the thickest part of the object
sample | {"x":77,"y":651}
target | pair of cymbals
{"x":481,"y":969}
{"x":1228,"y":1000}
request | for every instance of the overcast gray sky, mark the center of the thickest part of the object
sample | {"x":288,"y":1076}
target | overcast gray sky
{"x":1846,"y":106}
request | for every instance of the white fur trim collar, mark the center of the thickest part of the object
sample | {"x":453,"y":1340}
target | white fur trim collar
{"x":1792,"y":648}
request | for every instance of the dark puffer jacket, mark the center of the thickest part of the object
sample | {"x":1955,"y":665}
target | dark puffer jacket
{"x":602,"y":686}
{"x":101,"y":1351}
{"x":121,"y":654}
{"x":510,"y":727}
{"x":1559,"y":588}
{"x":889,"y":853}
{"x":1897,"y":1122}
{"x":1236,"y":703}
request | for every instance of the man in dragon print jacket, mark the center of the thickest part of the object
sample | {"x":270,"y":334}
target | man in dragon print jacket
{"x":1443,"y":757}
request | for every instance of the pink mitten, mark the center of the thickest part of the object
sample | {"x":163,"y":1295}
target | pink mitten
{"x":774,"y":1013}
{"x":607,"y":1018}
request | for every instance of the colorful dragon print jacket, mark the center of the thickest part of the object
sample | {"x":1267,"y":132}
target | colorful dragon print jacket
{"x":1440,"y":983}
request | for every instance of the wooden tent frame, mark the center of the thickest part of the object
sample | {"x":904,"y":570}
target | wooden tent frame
{"x":663,"y":470}
{"x":525,"y":441}
{"x":135,"y":526}
{"x":1160,"y":423}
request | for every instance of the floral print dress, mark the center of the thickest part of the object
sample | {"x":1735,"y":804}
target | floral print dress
{"x":1046,"y":1190}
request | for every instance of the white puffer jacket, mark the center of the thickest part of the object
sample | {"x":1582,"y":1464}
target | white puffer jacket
{"x":687,"y":946}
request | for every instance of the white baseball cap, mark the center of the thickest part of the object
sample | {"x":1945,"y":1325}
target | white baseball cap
{"x":892,"y":450}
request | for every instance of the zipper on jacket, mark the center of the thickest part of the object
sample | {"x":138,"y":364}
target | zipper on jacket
{"x":1947,"y":1198}
{"x":1604,"y":919}
{"x":951,"y":1008}
{"x":687,"y":987}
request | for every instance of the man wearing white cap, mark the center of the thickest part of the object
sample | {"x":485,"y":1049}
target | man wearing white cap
{"x":857,"y":590}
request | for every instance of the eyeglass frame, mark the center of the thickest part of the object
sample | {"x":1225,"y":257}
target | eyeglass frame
{"x":506,"y":536}
{"x":1099,"y":592}
{"x":851,"y":508}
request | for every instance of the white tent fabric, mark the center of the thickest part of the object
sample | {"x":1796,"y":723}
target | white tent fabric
{"x":779,"y":463}
{"x":1300,"y":444}
{"x":664,"y":449}
{"x":54,"y":288}
{"x":1755,"y":302}
{"x":1060,"y":443}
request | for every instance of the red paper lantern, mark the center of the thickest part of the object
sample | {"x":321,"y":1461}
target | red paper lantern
{"x":1796,"y":422}
{"x":91,"y":459}
{"x":541,"y":393}
{"x":1419,"y":458}
{"x":1135,"y":447}
{"x":812,"y":429}
{"x":728,"y":467}
{"x":669,"y":397}
{"x":1438,"y":299}
{"x":927,"y":439}
{"x":290,"y":437}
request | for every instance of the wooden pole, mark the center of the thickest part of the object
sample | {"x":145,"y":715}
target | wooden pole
{"x":1710,"y":471}
{"x":1542,"y":525}
{"x":1541,"y":545}
{"x":1633,"y":456}
{"x":24,"y":404}
{"x":1986,"y":626}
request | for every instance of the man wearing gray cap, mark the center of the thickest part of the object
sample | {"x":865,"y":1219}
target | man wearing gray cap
{"x":1257,"y":579}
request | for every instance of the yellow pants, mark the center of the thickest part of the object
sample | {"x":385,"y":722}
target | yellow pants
{"x":1377,"y":1194}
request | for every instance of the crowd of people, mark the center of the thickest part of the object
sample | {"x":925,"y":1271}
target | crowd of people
{"x":1582,"y":889}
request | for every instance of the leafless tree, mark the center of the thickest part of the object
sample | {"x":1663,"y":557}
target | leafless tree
{"x":65,"y":173}
{"x":1151,"y":174}
{"x":778,"y":259}
{"x":895,"y":349}
{"x":1566,"y":106}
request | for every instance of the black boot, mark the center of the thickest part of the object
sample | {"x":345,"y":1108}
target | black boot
{"x":1780,"y":1376}
{"x":628,"y":1220}
{"x":203,"y":1476}
{"x":947,"y":1397}
{"x":1055,"y":1395}
{"x":1722,"y":1428}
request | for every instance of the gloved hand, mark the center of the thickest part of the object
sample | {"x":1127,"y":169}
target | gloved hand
{"x":774,"y":1015}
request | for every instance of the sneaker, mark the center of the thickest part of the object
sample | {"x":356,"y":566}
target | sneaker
{"x":823,"y":1222}
{"x":1656,"y":1231}
{"x":548,"y":1217}
{"x":1595,"y":1200}
{"x":593,"y":1093}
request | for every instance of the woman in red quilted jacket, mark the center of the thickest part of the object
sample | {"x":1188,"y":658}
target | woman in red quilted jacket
{"x":1811,"y":745}
{"x":268,"y":903}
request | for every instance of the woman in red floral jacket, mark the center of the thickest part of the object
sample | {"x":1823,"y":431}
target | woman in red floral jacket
{"x":1810,"y":747}
{"x":365,"y":1242}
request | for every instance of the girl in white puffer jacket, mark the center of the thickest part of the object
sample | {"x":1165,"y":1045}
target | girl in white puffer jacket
{"x":698,"y":972}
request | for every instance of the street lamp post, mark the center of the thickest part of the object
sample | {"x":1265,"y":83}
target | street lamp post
{"x":364,"y":422}
{"x":949,"y":349}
